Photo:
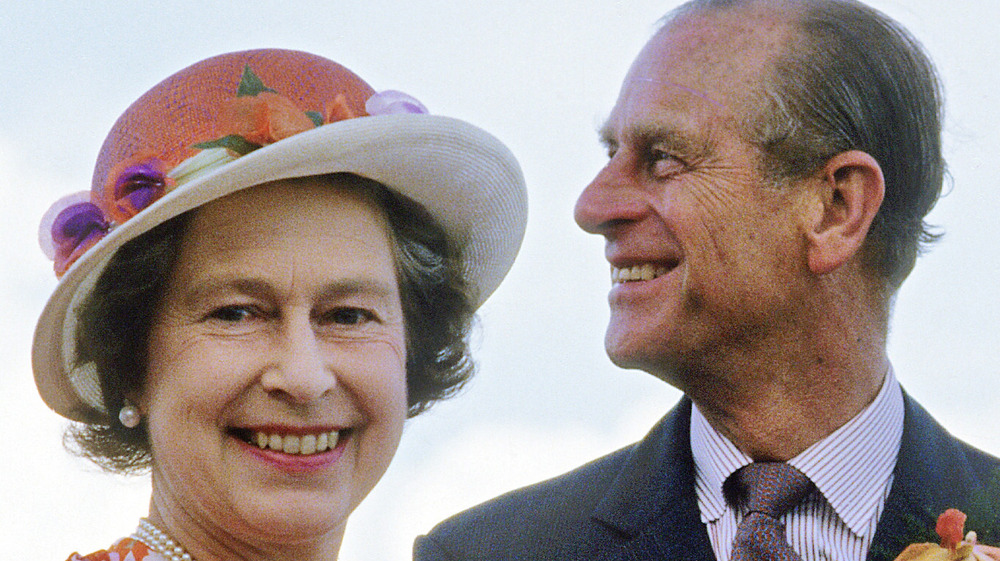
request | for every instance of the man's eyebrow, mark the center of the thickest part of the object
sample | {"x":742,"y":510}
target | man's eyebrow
{"x":606,"y":135}
{"x":657,"y":134}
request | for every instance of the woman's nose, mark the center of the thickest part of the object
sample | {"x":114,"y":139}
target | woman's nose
{"x":299,"y":371}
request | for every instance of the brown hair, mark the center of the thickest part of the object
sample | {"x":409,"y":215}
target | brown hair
{"x":116,"y":317}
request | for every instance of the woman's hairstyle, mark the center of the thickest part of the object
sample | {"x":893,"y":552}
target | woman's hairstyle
{"x":115,"y":320}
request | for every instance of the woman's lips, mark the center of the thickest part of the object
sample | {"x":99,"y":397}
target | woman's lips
{"x":304,"y":444}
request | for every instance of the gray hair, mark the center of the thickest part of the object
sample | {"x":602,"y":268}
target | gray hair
{"x":853,"y":79}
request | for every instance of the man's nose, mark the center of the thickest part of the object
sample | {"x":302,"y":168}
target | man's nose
{"x":611,"y":199}
{"x":299,"y":371}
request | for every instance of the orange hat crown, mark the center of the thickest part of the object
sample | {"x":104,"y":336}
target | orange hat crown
{"x":199,"y":119}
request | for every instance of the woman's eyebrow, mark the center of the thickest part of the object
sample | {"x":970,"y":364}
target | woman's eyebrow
{"x":198,"y":291}
{"x":261,"y":287}
{"x":353,"y":286}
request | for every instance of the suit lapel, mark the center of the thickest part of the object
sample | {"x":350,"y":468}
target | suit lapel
{"x":931,"y":475}
{"x":652,"y":506}
{"x":651,"y":511}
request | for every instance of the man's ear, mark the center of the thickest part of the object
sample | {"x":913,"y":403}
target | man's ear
{"x":851,"y":189}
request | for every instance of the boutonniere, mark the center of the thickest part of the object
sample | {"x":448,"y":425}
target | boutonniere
{"x":955,"y":544}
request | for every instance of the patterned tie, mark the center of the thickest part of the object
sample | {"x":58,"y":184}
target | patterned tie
{"x":769,"y":490}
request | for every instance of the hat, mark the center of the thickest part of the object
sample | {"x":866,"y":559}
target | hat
{"x":242,"y":119}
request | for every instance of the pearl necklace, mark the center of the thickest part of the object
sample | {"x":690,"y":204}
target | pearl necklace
{"x":159,"y":541}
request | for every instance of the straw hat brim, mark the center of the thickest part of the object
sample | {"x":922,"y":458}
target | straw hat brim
{"x":466,"y":178}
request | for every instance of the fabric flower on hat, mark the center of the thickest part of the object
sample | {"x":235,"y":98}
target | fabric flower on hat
{"x":133,"y":185}
{"x":255,"y":117}
{"x":75,"y":223}
{"x":259,"y":116}
{"x":265,"y":118}
{"x":337,"y":110}
{"x":70,"y":227}
{"x":391,"y":102}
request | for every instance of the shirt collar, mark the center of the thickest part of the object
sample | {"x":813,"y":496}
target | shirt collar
{"x":851,"y":467}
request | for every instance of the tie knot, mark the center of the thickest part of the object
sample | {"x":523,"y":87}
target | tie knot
{"x":771,"y":488}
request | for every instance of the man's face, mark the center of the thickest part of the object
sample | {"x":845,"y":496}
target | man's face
{"x":706,"y":256}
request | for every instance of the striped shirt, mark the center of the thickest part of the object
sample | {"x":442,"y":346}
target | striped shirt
{"x":852,"y":470}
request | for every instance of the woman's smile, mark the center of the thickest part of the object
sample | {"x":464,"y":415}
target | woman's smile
{"x":294,"y":444}
{"x":279,"y":352}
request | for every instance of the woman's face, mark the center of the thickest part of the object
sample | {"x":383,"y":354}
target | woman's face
{"x":276,"y":390}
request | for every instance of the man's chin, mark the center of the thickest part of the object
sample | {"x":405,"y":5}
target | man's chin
{"x":661,"y":365}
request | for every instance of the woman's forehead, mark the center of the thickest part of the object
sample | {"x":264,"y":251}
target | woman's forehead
{"x":288,"y":230}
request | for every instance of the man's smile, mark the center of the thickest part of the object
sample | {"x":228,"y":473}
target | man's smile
{"x":644,"y":272}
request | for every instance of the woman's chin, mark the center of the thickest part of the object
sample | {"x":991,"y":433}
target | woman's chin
{"x":302,"y":526}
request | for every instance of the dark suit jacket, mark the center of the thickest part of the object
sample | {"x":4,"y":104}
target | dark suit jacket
{"x":639,"y":503}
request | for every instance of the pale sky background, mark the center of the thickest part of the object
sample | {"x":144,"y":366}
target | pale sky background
{"x":540,"y":75}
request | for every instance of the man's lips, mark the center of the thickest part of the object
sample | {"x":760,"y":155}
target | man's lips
{"x":640,"y":272}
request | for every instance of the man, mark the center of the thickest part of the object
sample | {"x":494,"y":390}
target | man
{"x":770,"y":166}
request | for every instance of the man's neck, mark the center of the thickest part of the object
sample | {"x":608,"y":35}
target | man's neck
{"x":774,"y":411}
{"x":783,"y":393}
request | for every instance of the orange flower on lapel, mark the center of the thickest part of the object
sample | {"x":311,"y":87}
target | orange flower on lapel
{"x":955,"y":544}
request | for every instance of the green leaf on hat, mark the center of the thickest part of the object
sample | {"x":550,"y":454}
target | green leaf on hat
{"x":233,"y":142}
{"x":316,"y":117}
{"x":251,"y":84}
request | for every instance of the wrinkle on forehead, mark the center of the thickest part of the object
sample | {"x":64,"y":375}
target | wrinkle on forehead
{"x":685,"y":89}
{"x":665,"y":113}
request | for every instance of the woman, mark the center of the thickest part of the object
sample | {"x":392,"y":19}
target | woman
{"x":275,"y":266}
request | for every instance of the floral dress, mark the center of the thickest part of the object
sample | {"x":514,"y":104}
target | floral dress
{"x":126,"y":549}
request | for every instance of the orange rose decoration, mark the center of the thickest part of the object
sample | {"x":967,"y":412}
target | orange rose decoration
{"x":265,"y":118}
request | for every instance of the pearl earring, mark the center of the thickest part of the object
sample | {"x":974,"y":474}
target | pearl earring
{"x":129,"y":415}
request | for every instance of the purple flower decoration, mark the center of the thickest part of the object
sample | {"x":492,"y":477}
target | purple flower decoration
{"x":391,"y":102}
{"x":70,"y":228}
{"x":136,"y":187}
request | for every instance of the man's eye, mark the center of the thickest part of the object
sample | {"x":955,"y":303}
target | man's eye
{"x":232,"y":314}
{"x":664,"y":165}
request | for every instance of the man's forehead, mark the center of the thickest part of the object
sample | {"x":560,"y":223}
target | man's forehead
{"x":714,"y":50}
{"x":676,"y":88}
{"x":698,"y":72}
{"x":652,"y":108}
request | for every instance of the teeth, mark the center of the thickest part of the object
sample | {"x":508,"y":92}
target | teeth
{"x":292,"y":444}
{"x":644,"y":272}
{"x":307,"y":445}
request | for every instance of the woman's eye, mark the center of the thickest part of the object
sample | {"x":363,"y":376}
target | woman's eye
{"x":347,"y":316}
{"x":232,"y":314}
